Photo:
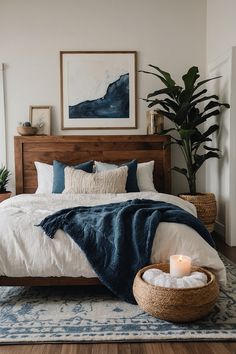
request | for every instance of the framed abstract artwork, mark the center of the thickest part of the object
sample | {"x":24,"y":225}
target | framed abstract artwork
{"x":98,"y":90}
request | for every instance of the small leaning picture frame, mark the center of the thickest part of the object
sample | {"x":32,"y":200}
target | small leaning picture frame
{"x":40,"y":117}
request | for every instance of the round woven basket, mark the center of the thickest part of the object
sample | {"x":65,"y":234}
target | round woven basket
{"x":205,"y":204}
{"x":175,"y":305}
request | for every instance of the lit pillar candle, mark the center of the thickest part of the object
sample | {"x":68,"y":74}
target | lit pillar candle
{"x":180,"y":266}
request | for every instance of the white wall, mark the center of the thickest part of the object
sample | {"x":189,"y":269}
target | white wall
{"x":167,"y":33}
{"x":221,"y":27}
{"x":221,"y":59}
{"x":3,"y":148}
{"x":217,"y":171}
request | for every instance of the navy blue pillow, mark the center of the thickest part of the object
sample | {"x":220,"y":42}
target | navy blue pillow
{"x":132,"y":183}
{"x":59,"y":176}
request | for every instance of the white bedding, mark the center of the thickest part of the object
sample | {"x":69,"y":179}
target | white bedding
{"x":26,"y":251}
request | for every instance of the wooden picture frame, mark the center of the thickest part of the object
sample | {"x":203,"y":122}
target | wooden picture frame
{"x":40,"y":117}
{"x":98,"y":90}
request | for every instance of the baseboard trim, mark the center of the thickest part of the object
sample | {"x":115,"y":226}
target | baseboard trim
{"x":220,"y":229}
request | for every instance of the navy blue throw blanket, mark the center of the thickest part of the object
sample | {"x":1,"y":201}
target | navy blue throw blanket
{"x":117,"y":238}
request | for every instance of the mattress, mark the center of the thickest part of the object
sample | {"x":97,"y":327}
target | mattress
{"x":26,"y":251}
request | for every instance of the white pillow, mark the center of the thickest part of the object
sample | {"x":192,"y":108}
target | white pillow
{"x":44,"y":177}
{"x":78,"y":181}
{"x":145,"y":176}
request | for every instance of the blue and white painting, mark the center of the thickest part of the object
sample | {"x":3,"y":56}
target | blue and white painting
{"x":99,"y":89}
{"x":114,"y":104}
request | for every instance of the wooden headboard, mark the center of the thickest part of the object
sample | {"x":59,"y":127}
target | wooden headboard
{"x":76,"y":149}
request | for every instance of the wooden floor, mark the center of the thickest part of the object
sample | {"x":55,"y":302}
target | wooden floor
{"x":133,"y":348}
{"x":123,"y":348}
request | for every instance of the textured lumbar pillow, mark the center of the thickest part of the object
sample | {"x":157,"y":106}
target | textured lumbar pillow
{"x":78,"y":181}
{"x":131,"y":183}
{"x":140,"y":176}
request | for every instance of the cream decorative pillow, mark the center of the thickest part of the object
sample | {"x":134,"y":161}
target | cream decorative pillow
{"x":78,"y":181}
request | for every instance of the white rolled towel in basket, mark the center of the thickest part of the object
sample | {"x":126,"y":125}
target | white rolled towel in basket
{"x":159,"y":278}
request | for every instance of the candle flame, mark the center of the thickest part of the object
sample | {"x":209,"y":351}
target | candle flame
{"x":180,"y":258}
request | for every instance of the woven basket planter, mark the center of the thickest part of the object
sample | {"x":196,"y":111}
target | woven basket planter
{"x":175,"y":305}
{"x":205,"y":204}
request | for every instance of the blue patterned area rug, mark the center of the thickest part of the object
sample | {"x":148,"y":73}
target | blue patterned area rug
{"x":79,"y":314}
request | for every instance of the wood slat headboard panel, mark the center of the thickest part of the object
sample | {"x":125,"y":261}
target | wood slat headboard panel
{"x":76,"y":149}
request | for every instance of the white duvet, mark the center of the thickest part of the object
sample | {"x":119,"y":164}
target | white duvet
{"x":26,"y":251}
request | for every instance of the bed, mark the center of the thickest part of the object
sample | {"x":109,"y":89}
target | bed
{"x":28,"y":258}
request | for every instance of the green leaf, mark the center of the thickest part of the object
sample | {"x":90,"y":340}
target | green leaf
{"x":212,"y":104}
{"x":210,"y":148}
{"x":200,"y":83}
{"x":166,"y":90}
{"x":210,"y":130}
{"x":185,"y":96}
{"x":198,"y":121}
{"x":172,"y":104}
{"x":177,"y":141}
{"x":198,"y":94}
{"x":211,"y":114}
{"x":165,"y":103}
{"x":166,"y":75}
{"x":186,"y":133}
{"x":200,"y":159}
{"x":166,"y":131}
{"x":193,"y":115}
{"x":190,"y":78}
{"x":183,"y":171}
{"x":160,"y":102}
{"x":182,"y":114}
{"x":196,"y":136}
{"x":197,"y":139}
{"x":172,"y":92}
{"x":205,"y":117}
{"x":196,"y":145}
{"x":159,"y":77}
{"x":205,"y":98}
{"x":4,"y":178}
{"x":169,"y":115}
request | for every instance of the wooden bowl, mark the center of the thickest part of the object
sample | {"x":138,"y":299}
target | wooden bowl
{"x":27,"y":130}
{"x":176,"y":304}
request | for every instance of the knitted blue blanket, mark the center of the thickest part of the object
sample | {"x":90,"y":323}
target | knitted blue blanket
{"x":117,"y":238}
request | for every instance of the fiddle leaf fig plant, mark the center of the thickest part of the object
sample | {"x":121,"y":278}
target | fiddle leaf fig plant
{"x":4,"y":178}
{"x":180,"y":104}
